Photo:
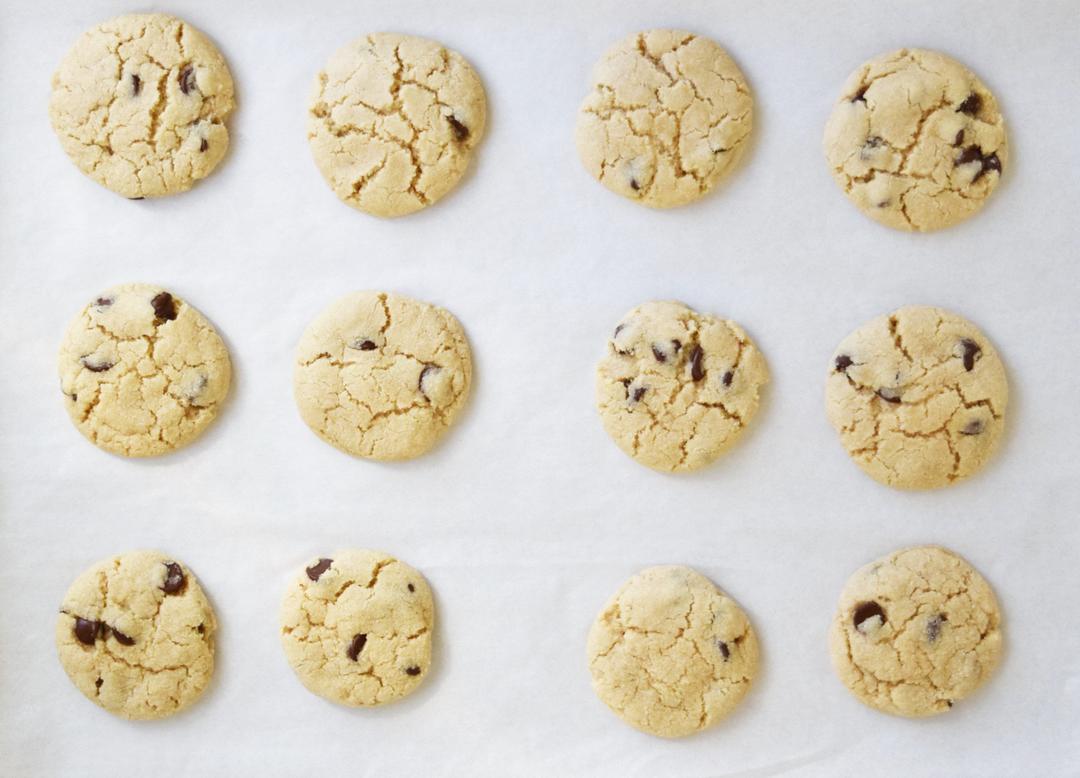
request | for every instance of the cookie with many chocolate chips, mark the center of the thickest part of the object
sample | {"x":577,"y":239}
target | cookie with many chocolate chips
{"x":140,"y":103}
{"x":668,"y":117}
{"x":382,"y":376}
{"x":918,"y":397}
{"x":393,"y":121}
{"x":356,"y":627}
{"x":915,"y":632}
{"x":142,"y":372}
{"x":671,"y":654}
{"x":136,"y":635}
{"x":916,"y":141}
{"x":677,"y":387}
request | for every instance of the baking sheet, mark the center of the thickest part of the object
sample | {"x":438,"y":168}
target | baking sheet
{"x":528,"y":517}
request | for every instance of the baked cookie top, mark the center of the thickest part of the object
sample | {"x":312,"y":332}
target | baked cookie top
{"x":916,"y":141}
{"x":142,"y":372}
{"x":393,"y":120}
{"x":139,"y":104}
{"x":918,"y":397}
{"x":667,"y":118}
{"x":915,"y":632}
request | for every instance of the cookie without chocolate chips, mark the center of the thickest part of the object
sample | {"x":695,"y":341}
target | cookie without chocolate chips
{"x":915,"y":632}
{"x":356,"y":627}
{"x":678,"y":387}
{"x":918,"y":397}
{"x":140,"y":103}
{"x":382,"y":376}
{"x":667,"y":118}
{"x":671,"y":654}
{"x":142,"y":372}
{"x":916,"y":140}
{"x":136,"y":635}
{"x":393,"y":121}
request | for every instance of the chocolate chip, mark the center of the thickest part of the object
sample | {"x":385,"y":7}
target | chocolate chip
{"x":164,"y":306}
{"x":98,"y":683}
{"x":865,"y":611}
{"x":971,"y":353}
{"x":461,"y":132}
{"x":174,"y":579}
{"x":697,"y":371}
{"x":724,"y":650}
{"x":638,"y":393}
{"x":363,"y":344}
{"x":201,"y":629}
{"x":186,"y":78}
{"x":412,"y":588}
{"x":972,"y":427}
{"x":136,"y":198}
{"x":882,"y":204}
{"x":103,"y":302}
{"x":860,"y":96}
{"x":617,"y":331}
{"x":95,"y":365}
{"x":318,"y":568}
{"x":933,"y":627}
{"x":873,"y":142}
{"x":660,"y":355}
{"x":889,"y":395}
{"x":634,"y":184}
{"x":414,"y":670}
{"x":989,"y":162}
{"x":428,"y":370}
{"x":136,"y":84}
{"x":843,"y":362}
{"x":728,"y":378}
{"x":87,"y":631}
{"x":204,"y":144}
{"x":959,"y":138}
{"x":971,"y":105}
{"x":356,"y":646}
{"x":121,"y":638}
{"x":949,"y":703}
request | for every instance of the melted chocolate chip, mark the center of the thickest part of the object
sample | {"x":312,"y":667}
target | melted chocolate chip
{"x":121,"y":638}
{"x":971,"y":105}
{"x":860,"y":96}
{"x":724,"y":650}
{"x":318,"y":568}
{"x":989,"y":162}
{"x":660,"y":355}
{"x":634,"y":184}
{"x":363,"y":344}
{"x":889,"y":395}
{"x":174,"y":579}
{"x":933,"y":627}
{"x":959,"y":138}
{"x":461,"y":132}
{"x":96,"y":366}
{"x":728,"y":378}
{"x":697,"y":370}
{"x":186,"y":79}
{"x":637,"y":394}
{"x":414,"y":670}
{"x":164,"y":306}
{"x":865,"y":611}
{"x":412,"y":588}
{"x":87,"y":631}
{"x":843,"y":362}
{"x":136,"y":84}
{"x":356,"y":646}
{"x":204,"y":144}
{"x":971,"y":353}
{"x":973,"y":427}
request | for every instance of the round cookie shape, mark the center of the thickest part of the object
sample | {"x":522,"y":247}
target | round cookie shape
{"x":667,"y":118}
{"x":915,"y":632}
{"x":136,"y":635}
{"x":918,"y":397}
{"x":916,"y":141}
{"x":393,"y":120}
{"x":356,"y":627}
{"x":671,"y":654}
{"x":139,"y":104}
{"x":382,"y":376}
{"x":677,"y":387}
{"x":142,"y":372}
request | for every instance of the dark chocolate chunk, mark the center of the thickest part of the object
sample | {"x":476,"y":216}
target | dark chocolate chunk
{"x":889,"y":395}
{"x":136,"y":84}
{"x":971,"y":353}
{"x":697,"y":370}
{"x":461,"y":132}
{"x":412,"y":588}
{"x":164,"y":306}
{"x":973,"y":427}
{"x":971,"y":105}
{"x":174,"y":579}
{"x":959,"y":138}
{"x":121,"y":638}
{"x":724,"y":650}
{"x":186,"y":78}
{"x":204,"y":144}
{"x":933,"y":626}
{"x":414,"y":670}
{"x":98,"y":683}
{"x":865,"y":611}
{"x":989,"y":162}
{"x":87,"y":631}
{"x":318,"y":568}
{"x":356,"y":646}
{"x":95,"y":365}
{"x":843,"y":362}
{"x":728,"y":378}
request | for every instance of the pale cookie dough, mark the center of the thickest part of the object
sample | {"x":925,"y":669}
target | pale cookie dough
{"x":918,"y":397}
{"x":140,"y":103}
{"x":915,"y":632}
{"x":671,"y":654}
{"x":356,"y":627}
{"x":382,"y":376}
{"x":668,"y":117}
{"x":142,"y":372}
{"x":677,"y":387}
{"x":915,"y":140}
{"x":393,"y":121}
{"x":136,"y":635}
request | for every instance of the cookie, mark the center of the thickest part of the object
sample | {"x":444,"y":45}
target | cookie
{"x":671,"y":654}
{"x":140,"y":103}
{"x":915,"y":632}
{"x":393,"y":121}
{"x":356,"y":627}
{"x":916,"y":141}
{"x":142,"y":372}
{"x":667,"y":118}
{"x":918,"y":397}
{"x":136,"y":635}
{"x":678,"y":387}
{"x":382,"y":376}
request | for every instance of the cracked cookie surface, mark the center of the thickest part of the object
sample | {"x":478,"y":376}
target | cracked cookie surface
{"x":393,"y":121}
{"x":916,"y":141}
{"x":671,"y":654}
{"x":677,"y":387}
{"x":667,"y":118}
{"x":356,"y":627}
{"x":382,"y":376}
{"x":918,"y":397}
{"x":139,"y":105}
{"x":136,"y":635}
{"x":142,"y":372}
{"x":915,"y":632}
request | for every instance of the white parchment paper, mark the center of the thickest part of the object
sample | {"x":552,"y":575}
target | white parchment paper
{"x":528,"y":517}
